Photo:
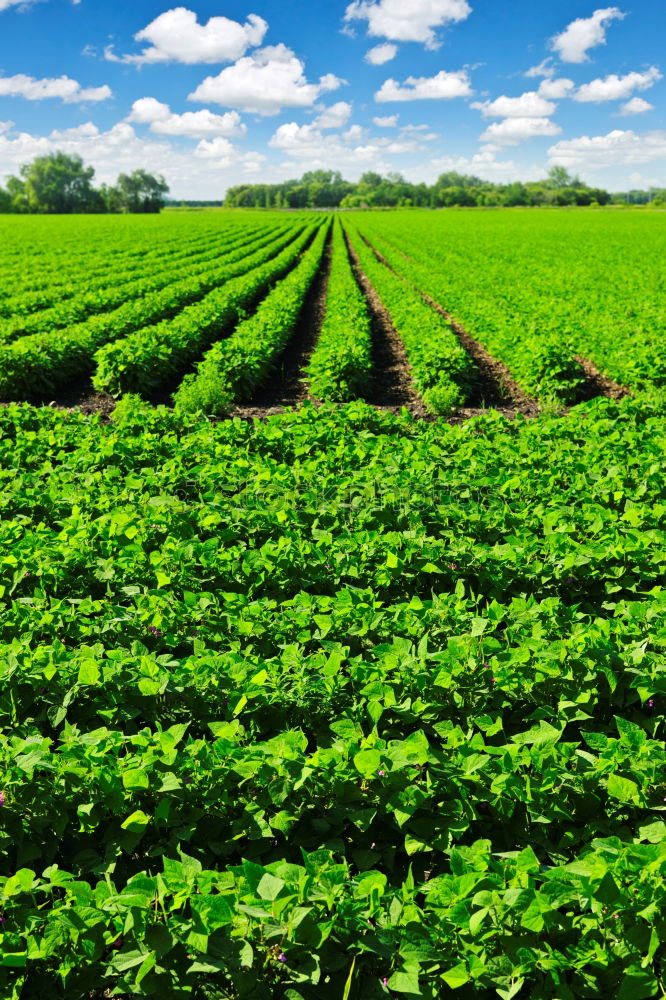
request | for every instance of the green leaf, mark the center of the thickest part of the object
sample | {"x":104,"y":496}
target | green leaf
{"x":89,"y":673}
{"x":269,"y":887}
{"x":368,"y":762}
{"x":623,"y":789}
{"x":136,"y":822}
{"x":212,"y":912}
{"x":456,"y":977}
{"x":638,"y":984}
{"x":135,"y":778}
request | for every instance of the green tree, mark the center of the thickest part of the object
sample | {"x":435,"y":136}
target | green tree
{"x":17,"y":195}
{"x":559,"y":177}
{"x":59,"y":183}
{"x":140,"y":192}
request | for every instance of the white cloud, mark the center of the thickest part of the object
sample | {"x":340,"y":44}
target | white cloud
{"x":354,"y":134}
{"x":189,"y":173}
{"x":193,"y":124}
{"x":310,"y":148}
{"x":483,"y":164}
{"x":265,"y":82}
{"x":636,"y":106}
{"x":617,"y":148}
{"x":585,"y":33}
{"x":62,"y":87}
{"x":528,"y":105}
{"x":412,"y":21}
{"x":617,"y":88}
{"x":389,"y":121}
{"x":334,"y":117}
{"x":176,"y":36}
{"x":6,"y":126}
{"x":512,"y":131}
{"x":443,"y":86}
{"x":556,"y":89}
{"x":381,"y":54}
{"x":219,"y":149}
{"x":544,"y":68}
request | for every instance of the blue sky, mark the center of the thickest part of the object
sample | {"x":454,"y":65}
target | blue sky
{"x":215,"y":94}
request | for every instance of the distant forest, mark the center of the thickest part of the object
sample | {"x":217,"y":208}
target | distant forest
{"x":328,"y":189}
{"x":63,"y":185}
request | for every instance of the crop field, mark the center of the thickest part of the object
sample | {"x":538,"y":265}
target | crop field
{"x":332,"y":606}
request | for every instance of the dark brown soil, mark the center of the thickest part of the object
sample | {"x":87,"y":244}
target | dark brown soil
{"x":85,"y":398}
{"x":494,"y":385}
{"x":392,"y":386}
{"x":598,"y":384}
{"x":287,"y":386}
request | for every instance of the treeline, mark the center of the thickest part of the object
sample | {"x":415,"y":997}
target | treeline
{"x":62,"y":184}
{"x":328,"y":189}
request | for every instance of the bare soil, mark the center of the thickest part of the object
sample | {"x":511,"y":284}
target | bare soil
{"x":392,"y":386}
{"x":87,"y":399}
{"x":598,"y":384}
{"x":495,"y":388}
{"x":287,"y":387}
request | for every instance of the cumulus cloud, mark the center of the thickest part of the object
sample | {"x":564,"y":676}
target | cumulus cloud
{"x":414,"y":21}
{"x":585,"y":33}
{"x":513,"y":131}
{"x":219,"y":149}
{"x":177,"y":36}
{"x":62,"y":87}
{"x":636,"y":106}
{"x":193,"y":124}
{"x":483,"y":164}
{"x":381,"y":54}
{"x":528,"y":105}
{"x":265,"y":82}
{"x":389,"y":121}
{"x":615,"y":149}
{"x":334,"y":117}
{"x":443,"y":86}
{"x":6,"y":126}
{"x":617,"y":88}
{"x":189,"y":173}
{"x":310,"y":148}
{"x":544,"y":68}
{"x":556,"y":89}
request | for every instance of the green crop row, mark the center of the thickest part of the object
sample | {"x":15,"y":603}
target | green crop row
{"x":442,"y":370}
{"x":234,"y":368}
{"x":34,"y":366}
{"x":332,"y":704}
{"x":340,"y":368}
{"x":153,"y":357}
{"x":40,"y":266}
{"x":108,"y":292}
{"x":542,"y":365}
{"x":553,"y":286}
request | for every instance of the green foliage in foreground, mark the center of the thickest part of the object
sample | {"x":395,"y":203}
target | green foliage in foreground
{"x":335,"y":706}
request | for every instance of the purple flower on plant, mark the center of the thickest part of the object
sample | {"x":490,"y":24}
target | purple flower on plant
{"x":3,"y":919}
{"x":385,"y":981}
{"x":154,"y":631}
{"x":2,"y":798}
{"x":381,"y":773}
{"x":26,"y":575}
{"x":282,"y":957}
{"x":650,"y":703}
